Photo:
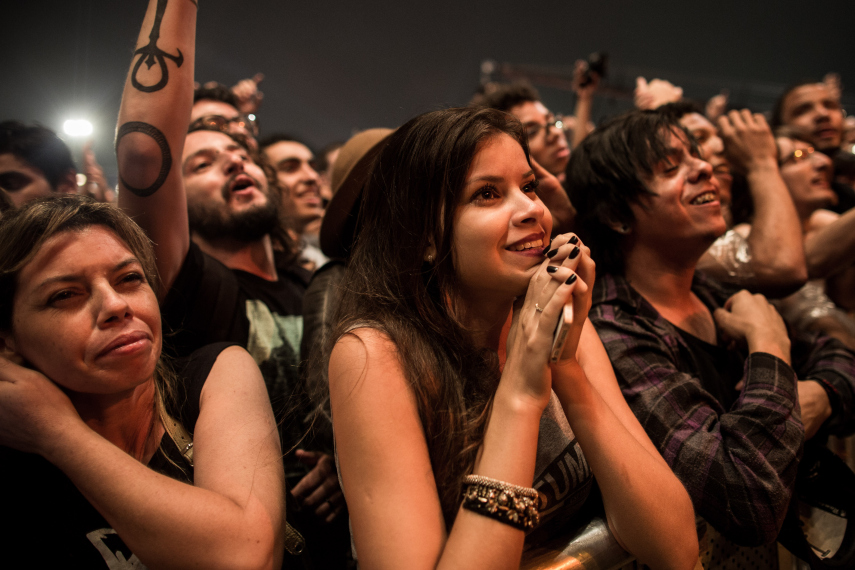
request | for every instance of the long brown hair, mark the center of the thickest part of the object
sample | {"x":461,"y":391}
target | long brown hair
{"x":408,"y":204}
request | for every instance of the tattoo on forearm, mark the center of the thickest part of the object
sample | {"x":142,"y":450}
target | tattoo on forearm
{"x":165,"y":155}
{"x":151,"y":54}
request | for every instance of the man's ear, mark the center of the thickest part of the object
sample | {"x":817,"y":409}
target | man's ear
{"x":68,"y":183}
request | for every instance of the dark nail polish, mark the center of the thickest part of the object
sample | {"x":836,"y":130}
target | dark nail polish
{"x":545,"y":249}
{"x":551,"y":268}
{"x":574,"y":240}
{"x":571,"y":279}
{"x":574,"y":253}
{"x":551,"y":253}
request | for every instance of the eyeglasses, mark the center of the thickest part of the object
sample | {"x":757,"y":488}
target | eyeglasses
{"x":220,"y":123}
{"x":533,"y":129}
{"x":797,"y":155}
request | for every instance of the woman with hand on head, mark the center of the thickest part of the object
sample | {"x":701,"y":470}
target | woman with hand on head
{"x":95,"y":432}
{"x":432,"y":408}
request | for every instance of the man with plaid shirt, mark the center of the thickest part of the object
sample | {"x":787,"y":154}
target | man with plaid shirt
{"x":722,"y":389}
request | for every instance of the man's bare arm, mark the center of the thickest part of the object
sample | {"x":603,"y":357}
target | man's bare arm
{"x":153,"y":121}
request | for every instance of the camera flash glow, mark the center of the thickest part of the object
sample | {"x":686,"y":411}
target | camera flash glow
{"x":77,"y":128}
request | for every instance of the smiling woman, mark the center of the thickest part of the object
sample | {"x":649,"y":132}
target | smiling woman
{"x":451,"y":424}
{"x":93,"y":427}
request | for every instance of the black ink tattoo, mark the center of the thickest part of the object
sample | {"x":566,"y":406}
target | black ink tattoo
{"x":166,"y":156}
{"x":151,"y":54}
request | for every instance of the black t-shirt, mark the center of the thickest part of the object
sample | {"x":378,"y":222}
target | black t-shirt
{"x":48,"y":523}
{"x":719,"y":368}
{"x":209,"y":302}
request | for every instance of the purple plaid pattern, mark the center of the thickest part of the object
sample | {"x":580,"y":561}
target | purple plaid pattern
{"x":738,"y":465}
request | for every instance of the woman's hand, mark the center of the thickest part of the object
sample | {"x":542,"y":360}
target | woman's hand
{"x":32,"y":408}
{"x":560,"y":278}
{"x":574,"y":258}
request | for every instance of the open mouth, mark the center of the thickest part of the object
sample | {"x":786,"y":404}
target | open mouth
{"x":820,"y":181}
{"x":704,"y":198}
{"x":242,"y":183}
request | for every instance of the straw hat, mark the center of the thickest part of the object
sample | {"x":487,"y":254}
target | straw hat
{"x":349,"y":174}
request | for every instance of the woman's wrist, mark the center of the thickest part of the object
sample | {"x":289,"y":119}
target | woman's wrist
{"x":520,"y":404}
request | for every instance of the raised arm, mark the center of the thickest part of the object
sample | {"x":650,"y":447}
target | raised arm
{"x":232,"y":517}
{"x":153,"y":121}
{"x":777,"y":258}
{"x":584,"y":99}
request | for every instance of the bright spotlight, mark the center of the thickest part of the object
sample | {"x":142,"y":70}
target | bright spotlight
{"x":77,"y":128}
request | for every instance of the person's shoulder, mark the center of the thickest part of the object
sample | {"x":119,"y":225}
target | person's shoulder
{"x":820,"y":219}
{"x":367,"y":339}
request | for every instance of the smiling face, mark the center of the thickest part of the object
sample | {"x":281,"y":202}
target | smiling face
{"x":684,"y":214}
{"x":816,"y":115}
{"x":712,"y":150}
{"x":227,"y":193}
{"x":294,"y":171}
{"x":807,"y":174}
{"x":84,"y":314}
{"x":500,"y":224}
{"x":547,"y":144}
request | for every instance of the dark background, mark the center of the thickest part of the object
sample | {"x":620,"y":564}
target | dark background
{"x":335,"y":67}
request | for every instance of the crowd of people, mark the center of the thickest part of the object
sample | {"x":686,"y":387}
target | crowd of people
{"x":439,"y":345}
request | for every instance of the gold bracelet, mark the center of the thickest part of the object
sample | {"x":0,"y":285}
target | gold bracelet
{"x":510,"y":504}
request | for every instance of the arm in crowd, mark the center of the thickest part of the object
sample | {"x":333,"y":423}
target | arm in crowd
{"x":584,"y":101}
{"x":647,"y":508}
{"x":231,"y":517}
{"x":777,"y":259}
{"x":822,"y":361}
{"x":739,"y":465}
{"x":555,"y":198}
{"x":830,"y":253}
{"x":153,"y":121}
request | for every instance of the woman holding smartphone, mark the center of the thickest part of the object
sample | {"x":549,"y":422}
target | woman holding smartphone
{"x":448,"y":420}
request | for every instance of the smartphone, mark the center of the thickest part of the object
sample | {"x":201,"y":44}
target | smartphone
{"x":561,"y":330}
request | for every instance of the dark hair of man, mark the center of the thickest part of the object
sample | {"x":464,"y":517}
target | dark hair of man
{"x":505,"y":96}
{"x":777,"y":118}
{"x":408,"y":204}
{"x":679,"y":109}
{"x":217,"y":93}
{"x":39,"y":147}
{"x":607,"y":173}
{"x":270,"y":140}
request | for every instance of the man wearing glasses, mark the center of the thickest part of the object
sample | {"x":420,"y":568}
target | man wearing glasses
{"x":217,"y":108}
{"x":547,"y":140}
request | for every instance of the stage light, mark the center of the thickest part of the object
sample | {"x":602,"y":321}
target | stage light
{"x":77,"y":128}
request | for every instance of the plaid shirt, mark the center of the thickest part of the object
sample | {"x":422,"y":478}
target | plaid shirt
{"x":739,"y":464}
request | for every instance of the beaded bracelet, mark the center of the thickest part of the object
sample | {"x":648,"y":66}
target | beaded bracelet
{"x":509,"y":504}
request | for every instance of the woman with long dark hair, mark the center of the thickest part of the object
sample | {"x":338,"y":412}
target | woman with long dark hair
{"x":109,"y":459}
{"x":449,"y":421}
